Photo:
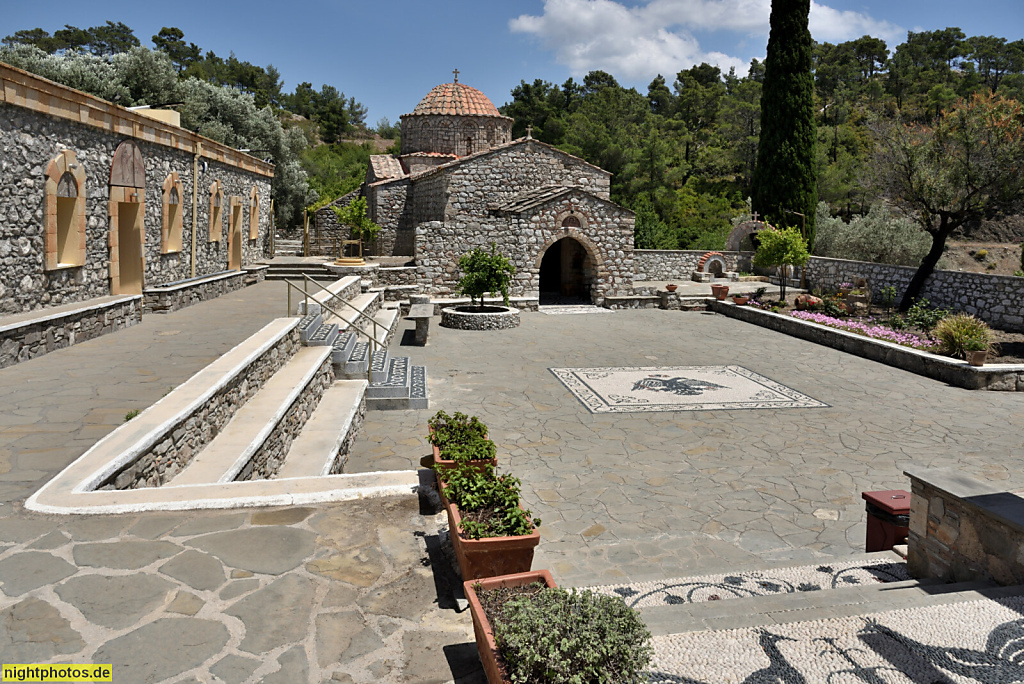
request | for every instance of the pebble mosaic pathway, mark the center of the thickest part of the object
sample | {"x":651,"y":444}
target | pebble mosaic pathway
{"x":976,"y":642}
{"x":764,"y":583}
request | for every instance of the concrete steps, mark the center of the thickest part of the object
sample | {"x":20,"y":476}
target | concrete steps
{"x":322,"y":446}
{"x":227,"y":457}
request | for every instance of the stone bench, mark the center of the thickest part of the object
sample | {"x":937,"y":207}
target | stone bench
{"x":421,"y":312}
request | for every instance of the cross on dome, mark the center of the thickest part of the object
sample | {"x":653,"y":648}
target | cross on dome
{"x":456,"y":72}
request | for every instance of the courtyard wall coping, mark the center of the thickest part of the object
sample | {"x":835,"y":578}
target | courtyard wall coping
{"x":1007,"y":507}
{"x":999,"y":377}
{"x":16,"y":321}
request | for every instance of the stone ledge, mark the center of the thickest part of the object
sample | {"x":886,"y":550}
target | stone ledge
{"x":183,"y":293}
{"x":996,"y":377}
{"x":33,"y":334}
{"x":963,"y":529}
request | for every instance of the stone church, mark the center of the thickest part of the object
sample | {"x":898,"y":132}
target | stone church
{"x":461,"y":181}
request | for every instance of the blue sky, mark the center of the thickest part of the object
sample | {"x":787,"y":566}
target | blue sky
{"x":389,"y":54}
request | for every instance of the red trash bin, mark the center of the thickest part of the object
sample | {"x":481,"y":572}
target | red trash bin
{"x":888,"y":518}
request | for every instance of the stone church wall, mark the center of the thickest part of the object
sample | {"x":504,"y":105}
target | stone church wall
{"x":32,"y":134}
{"x":607,"y":234}
{"x":475,"y":184}
{"x":447,"y":134}
{"x":387,"y":205}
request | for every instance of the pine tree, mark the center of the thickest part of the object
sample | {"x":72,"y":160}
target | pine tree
{"x":784,"y":179}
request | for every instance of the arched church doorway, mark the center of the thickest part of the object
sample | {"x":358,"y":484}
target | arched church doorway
{"x":565,"y":273}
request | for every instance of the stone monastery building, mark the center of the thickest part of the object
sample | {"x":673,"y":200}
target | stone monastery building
{"x":461,"y":181}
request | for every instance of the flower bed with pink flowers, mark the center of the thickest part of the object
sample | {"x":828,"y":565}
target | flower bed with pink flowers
{"x":869,"y":328}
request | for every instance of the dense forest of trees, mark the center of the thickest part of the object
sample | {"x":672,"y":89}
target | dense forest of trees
{"x":683,"y":153}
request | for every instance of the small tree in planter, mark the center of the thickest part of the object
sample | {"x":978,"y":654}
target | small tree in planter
{"x":354,"y":215}
{"x":485,"y":273}
{"x":781,"y":249}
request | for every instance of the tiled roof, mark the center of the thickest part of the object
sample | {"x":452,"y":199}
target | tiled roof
{"x":386,"y":166}
{"x":458,"y":99}
{"x":431,"y":154}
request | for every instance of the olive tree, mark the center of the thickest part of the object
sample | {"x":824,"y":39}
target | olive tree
{"x":969,"y":163}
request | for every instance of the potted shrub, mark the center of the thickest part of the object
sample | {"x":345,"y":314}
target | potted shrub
{"x":529,"y":630}
{"x":459,"y":439}
{"x":491,"y":533}
{"x":965,"y":336}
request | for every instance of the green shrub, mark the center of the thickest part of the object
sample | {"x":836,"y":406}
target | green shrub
{"x":477,"y":449}
{"x":961,"y":333}
{"x":555,"y":636}
{"x":980,"y":255}
{"x":457,"y":429}
{"x":888,"y":297}
{"x":879,"y":236}
{"x":921,"y":315}
{"x":485,"y":273}
{"x":488,"y":503}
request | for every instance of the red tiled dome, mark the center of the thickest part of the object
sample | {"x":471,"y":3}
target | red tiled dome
{"x":457,"y":99}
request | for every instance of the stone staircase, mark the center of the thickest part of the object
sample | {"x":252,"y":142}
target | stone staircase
{"x":849,"y":620}
{"x":293,"y":268}
{"x":359,"y":348}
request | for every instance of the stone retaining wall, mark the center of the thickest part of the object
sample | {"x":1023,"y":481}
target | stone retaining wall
{"x":400,"y":275}
{"x":169,"y":300}
{"x":679,"y":264}
{"x":338,"y":466}
{"x":35,"y":338}
{"x":997,"y":300}
{"x":269,"y":457}
{"x":962,"y":529}
{"x":1009,"y":378}
{"x":184,"y":440}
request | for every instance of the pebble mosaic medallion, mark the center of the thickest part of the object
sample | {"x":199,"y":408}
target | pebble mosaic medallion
{"x":973,"y":642}
{"x":678,"y":388}
{"x":764,"y":583}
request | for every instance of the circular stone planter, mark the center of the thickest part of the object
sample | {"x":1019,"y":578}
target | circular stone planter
{"x":490,"y":318}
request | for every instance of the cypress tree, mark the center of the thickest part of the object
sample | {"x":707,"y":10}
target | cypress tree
{"x":784,"y":178}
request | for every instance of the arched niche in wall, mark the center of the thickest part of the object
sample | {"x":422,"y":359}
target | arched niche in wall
{"x":65,"y":212}
{"x":254,"y":213}
{"x":216,"y":211}
{"x":127,"y":220}
{"x":171,"y":229}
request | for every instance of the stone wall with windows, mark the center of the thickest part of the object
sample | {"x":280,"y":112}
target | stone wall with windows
{"x":448,"y":134}
{"x":39,"y":122}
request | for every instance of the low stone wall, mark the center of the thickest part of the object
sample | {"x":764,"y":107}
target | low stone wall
{"x":468,"y":320}
{"x":172,"y":298}
{"x":30,"y":339}
{"x":184,"y":440}
{"x":645,"y":301}
{"x":400,"y":275}
{"x":338,"y":467}
{"x":997,"y":300}
{"x":269,"y":458}
{"x":962,"y":529}
{"x":679,"y":264}
{"x":1006,"y":378}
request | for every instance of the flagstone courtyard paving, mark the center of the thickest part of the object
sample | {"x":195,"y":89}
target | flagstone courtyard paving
{"x":357,"y":591}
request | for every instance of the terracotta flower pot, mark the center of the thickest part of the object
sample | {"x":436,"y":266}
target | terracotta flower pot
{"x":490,"y":556}
{"x":671,"y":288}
{"x":720,"y":291}
{"x":740,"y":300}
{"x":977,"y":358}
{"x":485,"y":645}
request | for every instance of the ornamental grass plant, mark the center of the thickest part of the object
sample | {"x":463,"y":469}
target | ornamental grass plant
{"x":961,"y":333}
{"x":553,"y":636}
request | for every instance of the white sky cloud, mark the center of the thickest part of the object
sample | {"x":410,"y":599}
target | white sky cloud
{"x":636,"y":43}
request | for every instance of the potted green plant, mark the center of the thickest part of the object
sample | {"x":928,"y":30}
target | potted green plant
{"x":459,"y":439}
{"x":977,"y":351}
{"x":491,"y":533}
{"x":529,"y":630}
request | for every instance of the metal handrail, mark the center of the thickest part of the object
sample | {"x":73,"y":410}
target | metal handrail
{"x":346,"y":303}
{"x":359,"y":331}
